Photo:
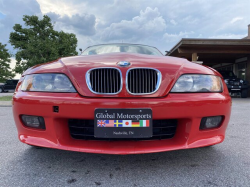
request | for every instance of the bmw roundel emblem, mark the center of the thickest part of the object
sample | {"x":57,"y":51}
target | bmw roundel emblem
{"x":123,"y":63}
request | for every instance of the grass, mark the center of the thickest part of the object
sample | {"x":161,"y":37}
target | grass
{"x":5,"y":98}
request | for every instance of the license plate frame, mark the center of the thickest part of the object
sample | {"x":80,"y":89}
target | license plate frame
{"x":127,"y":123}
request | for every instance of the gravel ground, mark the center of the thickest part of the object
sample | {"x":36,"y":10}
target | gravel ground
{"x":226,"y":164}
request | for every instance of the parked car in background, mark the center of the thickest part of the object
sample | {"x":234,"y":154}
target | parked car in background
{"x":234,"y":84}
{"x":9,"y":85}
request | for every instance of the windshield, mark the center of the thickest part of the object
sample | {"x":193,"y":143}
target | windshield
{"x":117,"y":48}
{"x":227,"y":73}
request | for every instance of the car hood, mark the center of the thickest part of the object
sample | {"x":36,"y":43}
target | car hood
{"x":76,"y":68}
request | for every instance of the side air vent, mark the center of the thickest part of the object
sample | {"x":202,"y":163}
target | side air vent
{"x":140,"y":81}
{"x":104,"y":80}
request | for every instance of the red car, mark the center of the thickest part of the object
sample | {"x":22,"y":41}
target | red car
{"x":121,"y":99}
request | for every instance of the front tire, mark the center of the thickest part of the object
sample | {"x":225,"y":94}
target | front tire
{"x":244,"y":93}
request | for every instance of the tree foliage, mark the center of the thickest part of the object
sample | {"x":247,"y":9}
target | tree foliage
{"x":38,"y":42}
{"x":5,"y":70}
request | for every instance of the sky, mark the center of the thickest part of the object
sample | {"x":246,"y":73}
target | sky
{"x":159,"y":23}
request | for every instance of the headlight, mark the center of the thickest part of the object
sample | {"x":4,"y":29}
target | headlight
{"x":47,"y":82}
{"x":226,"y":81}
{"x":241,"y":81}
{"x":198,"y":83}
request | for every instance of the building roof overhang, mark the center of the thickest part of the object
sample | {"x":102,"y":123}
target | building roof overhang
{"x":211,"y":51}
{"x":191,"y":45}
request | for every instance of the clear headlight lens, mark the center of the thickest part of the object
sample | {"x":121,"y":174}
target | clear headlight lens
{"x":198,"y":83}
{"x":47,"y":82}
{"x":226,"y":81}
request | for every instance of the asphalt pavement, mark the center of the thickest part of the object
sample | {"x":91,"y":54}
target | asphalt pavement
{"x":225,"y":164}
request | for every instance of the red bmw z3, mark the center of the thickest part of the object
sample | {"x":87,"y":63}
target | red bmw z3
{"x":121,"y":99}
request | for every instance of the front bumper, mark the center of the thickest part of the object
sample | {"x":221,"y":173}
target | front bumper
{"x":188,"y":109}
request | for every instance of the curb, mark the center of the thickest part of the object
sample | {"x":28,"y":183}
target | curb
{"x":5,"y":103}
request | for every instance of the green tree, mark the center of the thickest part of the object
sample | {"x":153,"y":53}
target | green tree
{"x":5,"y":70}
{"x":38,"y":42}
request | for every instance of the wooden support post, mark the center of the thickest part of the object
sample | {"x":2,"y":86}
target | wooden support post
{"x":194,"y":57}
{"x":248,"y":37}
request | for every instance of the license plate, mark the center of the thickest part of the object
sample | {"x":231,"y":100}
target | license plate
{"x":123,"y":123}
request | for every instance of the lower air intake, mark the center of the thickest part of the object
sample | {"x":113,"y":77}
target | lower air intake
{"x":84,"y":129}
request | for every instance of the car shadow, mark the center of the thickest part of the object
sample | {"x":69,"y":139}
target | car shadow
{"x":95,"y":169}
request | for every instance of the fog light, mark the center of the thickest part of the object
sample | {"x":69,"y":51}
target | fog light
{"x":211,"y":122}
{"x":33,"y":121}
